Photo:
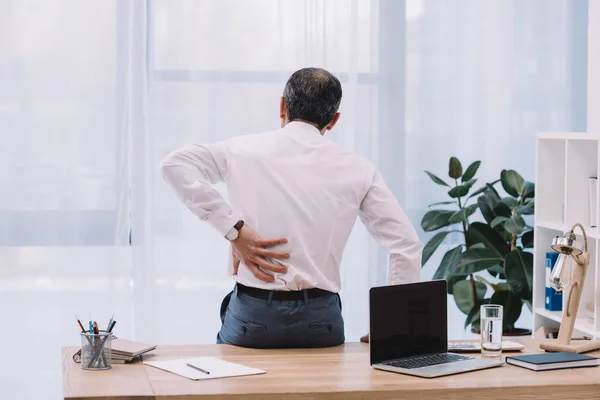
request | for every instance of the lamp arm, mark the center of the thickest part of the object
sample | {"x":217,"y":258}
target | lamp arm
{"x":585,"y":241}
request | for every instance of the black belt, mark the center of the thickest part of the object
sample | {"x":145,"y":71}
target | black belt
{"x":280,"y":295}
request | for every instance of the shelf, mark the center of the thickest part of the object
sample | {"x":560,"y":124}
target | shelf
{"x":581,"y":325}
{"x":555,"y":226}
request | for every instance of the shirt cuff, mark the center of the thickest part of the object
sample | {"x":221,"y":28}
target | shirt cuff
{"x":223,"y":220}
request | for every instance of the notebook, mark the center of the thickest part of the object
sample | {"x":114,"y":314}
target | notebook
{"x":130,"y":348}
{"x":214,"y":367}
{"x":549,"y":361}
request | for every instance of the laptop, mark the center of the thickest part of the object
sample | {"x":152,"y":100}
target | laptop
{"x":409,"y":332}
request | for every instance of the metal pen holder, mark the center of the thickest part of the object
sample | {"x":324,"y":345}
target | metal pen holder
{"x":96,"y":351}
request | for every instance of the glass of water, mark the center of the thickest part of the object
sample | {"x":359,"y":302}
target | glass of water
{"x":491,"y":330}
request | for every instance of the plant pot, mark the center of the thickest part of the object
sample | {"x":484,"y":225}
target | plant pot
{"x":512,"y":332}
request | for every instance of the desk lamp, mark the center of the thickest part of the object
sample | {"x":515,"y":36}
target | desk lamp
{"x":568,"y":274}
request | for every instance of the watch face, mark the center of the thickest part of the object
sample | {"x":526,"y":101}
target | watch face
{"x":232,"y":234}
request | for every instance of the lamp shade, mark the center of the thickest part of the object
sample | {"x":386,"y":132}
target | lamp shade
{"x":561,"y":273}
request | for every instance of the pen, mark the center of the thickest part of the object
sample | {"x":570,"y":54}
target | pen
{"x":197,"y":368}
{"x":110,"y":322}
{"x":101,"y":345}
{"x":83,"y":330}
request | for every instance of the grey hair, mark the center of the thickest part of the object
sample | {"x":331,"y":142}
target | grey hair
{"x":312,"y":95}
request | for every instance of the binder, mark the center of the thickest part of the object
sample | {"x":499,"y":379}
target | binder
{"x":553,"y":299}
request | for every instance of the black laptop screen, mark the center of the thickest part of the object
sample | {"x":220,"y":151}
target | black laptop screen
{"x":408,"y":320}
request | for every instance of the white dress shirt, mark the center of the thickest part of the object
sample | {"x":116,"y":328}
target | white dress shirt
{"x":295,"y":183}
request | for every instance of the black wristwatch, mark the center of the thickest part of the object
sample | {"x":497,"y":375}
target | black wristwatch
{"x":235,"y":231}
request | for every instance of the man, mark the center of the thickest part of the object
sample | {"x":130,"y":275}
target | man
{"x":291,"y":184}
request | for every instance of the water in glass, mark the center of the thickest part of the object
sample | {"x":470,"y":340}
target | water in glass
{"x":491,"y":336}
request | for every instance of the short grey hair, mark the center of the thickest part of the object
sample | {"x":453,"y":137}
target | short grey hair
{"x":312,"y":95}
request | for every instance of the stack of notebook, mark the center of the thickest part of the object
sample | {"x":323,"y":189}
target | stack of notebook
{"x":123,"y":351}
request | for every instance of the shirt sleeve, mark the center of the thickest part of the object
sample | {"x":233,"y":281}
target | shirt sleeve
{"x":390,"y":227}
{"x":191,"y":172}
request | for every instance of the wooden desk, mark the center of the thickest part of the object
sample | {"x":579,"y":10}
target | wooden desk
{"x":340,"y":373}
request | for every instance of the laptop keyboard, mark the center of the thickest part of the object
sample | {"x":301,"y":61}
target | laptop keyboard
{"x":426,"y":360}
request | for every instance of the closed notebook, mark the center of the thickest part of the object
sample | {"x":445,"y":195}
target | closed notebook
{"x":549,"y":361}
{"x":130,"y":348}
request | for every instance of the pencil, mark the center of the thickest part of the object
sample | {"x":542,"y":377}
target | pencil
{"x":80,"y":325}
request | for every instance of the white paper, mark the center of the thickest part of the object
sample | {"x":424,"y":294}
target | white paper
{"x":217,"y":368}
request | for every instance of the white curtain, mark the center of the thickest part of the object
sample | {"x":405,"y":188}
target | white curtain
{"x":218,"y":70}
{"x":93,"y":94}
{"x":483,"y":77}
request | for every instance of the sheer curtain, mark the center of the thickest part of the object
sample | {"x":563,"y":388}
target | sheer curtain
{"x":218,"y":70}
{"x":94,"y":94}
{"x":61,"y":251}
{"x":483,"y":77}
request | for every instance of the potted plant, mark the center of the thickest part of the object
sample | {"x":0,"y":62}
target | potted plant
{"x":493,"y":255}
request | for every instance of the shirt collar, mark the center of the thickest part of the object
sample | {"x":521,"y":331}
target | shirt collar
{"x":301,"y":126}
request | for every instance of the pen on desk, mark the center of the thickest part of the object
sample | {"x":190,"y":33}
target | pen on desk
{"x":198,"y":369}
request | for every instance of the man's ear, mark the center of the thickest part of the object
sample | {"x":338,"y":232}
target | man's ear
{"x":282,"y":108}
{"x":334,"y":121}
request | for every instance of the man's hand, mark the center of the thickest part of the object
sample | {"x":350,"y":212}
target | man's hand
{"x":365,"y":339}
{"x":251,"y":249}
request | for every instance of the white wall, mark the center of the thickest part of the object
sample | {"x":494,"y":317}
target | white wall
{"x":593,"y":114}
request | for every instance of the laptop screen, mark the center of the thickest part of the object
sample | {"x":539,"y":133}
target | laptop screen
{"x":408,"y":320}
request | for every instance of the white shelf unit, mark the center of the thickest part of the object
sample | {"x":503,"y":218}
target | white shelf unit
{"x":564,"y":164}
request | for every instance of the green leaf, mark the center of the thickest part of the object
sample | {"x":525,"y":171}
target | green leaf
{"x":529,"y":191}
{"x":443,"y":271}
{"x":455,"y":169}
{"x":469,"y":183}
{"x":492,"y":190}
{"x":497,"y":221}
{"x":452,"y":280}
{"x":463,"y":295}
{"x":515,"y":225}
{"x":502,"y":210}
{"x":495,"y":286}
{"x":459,"y":191}
{"x":478,"y":191}
{"x":486,"y":203}
{"x":479,"y":232}
{"x":511,"y":202}
{"x":432,"y":246}
{"x":527,"y":240}
{"x":496,"y":270}
{"x":442,"y":203}
{"x":436,"y":179}
{"x":527,"y":209}
{"x":511,"y":304}
{"x":474,"y":314}
{"x":475,"y":260}
{"x":471,"y":171}
{"x":519,"y":272}
{"x":489,"y":187}
{"x":512,"y":182}
{"x":462,"y":214}
{"x":436,"y":219}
